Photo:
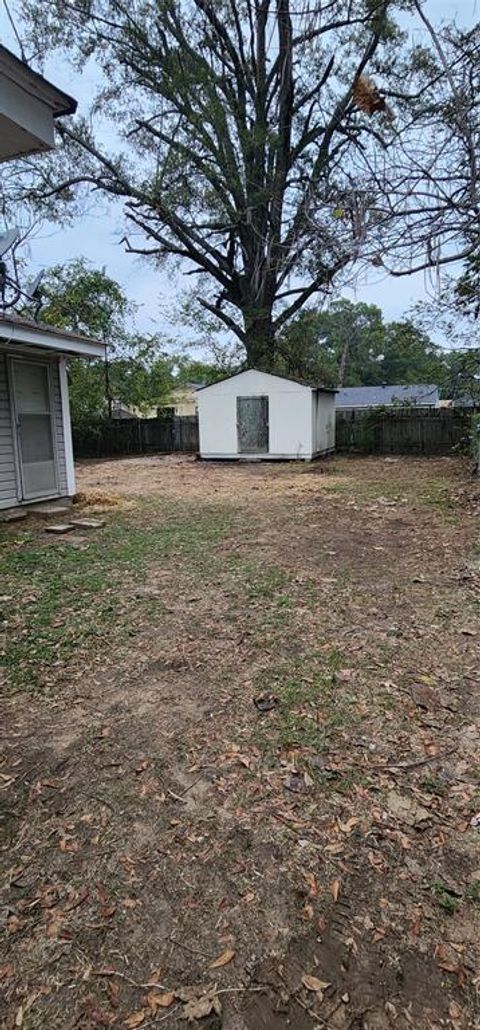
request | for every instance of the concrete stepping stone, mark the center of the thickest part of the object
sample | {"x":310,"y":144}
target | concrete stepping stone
{"x":13,"y":516}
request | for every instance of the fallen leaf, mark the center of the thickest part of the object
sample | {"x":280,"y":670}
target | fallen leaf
{"x":445,"y":960}
{"x":14,"y":924}
{"x":223,"y":959}
{"x":376,"y":861}
{"x":313,"y":888}
{"x":114,"y":992}
{"x":245,"y":761}
{"x":349,"y":825}
{"x":455,"y":1011}
{"x":130,"y":902}
{"x":107,"y":911}
{"x":68,"y":845}
{"x":334,"y":849}
{"x":423,"y":696}
{"x":6,"y":971}
{"x":343,"y":675}
{"x":200,"y":1007}
{"x":313,"y":984}
{"x":81,"y":897}
{"x":160,"y":1001}
{"x":136,"y":1019}
{"x":352,"y":945}
{"x":142,"y":766}
{"x":335,"y":889}
{"x":19,"y":1017}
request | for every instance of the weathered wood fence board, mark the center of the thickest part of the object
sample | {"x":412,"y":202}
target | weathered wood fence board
{"x":136,"y":436}
{"x":439,"y":431}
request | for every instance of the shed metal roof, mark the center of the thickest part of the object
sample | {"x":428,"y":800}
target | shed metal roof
{"x":421,"y":394}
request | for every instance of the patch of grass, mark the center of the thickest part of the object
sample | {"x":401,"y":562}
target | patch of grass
{"x":433,"y":784}
{"x":266,"y":582}
{"x":444,"y":898}
{"x":65,"y":602}
{"x":429,"y":493}
{"x":312,"y":707}
{"x":472,"y":892}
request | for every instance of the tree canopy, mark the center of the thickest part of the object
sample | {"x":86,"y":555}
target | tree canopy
{"x":138,"y":373}
{"x":351,"y":345}
{"x":269,"y":145}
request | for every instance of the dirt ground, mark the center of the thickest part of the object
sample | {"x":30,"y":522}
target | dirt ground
{"x":240,"y":777}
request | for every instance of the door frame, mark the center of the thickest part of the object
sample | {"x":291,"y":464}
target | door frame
{"x":254,"y":397}
{"x":12,"y":359}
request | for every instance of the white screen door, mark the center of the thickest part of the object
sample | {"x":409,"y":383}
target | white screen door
{"x":36,"y":453}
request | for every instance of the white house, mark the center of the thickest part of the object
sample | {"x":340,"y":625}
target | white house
{"x":36,"y":459}
{"x":257,"y":415}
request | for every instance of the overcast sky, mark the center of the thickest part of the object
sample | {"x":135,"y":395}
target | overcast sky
{"x":97,"y":237}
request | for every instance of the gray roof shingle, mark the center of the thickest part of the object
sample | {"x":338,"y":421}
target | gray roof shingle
{"x":422,"y":394}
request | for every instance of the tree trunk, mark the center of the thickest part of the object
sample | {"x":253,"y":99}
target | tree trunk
{"x":260,"y":341}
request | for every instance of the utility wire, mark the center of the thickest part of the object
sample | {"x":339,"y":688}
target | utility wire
{"x":15,"y":31}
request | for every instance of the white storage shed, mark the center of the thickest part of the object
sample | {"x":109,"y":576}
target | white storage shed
{"x":255,"y":415}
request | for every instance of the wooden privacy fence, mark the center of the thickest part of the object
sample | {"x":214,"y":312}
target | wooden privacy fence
{"x":403,"y":431}
{"x":109,"y":439}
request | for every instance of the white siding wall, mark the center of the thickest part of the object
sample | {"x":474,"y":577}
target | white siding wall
{"x":290,"y":416}
{"x":9,"y":496}
{"x":8,"y":479}
{"x":59,"y":435}
{"x":323,"y":422}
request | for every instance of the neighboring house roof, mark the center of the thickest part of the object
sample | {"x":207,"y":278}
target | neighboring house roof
{"x":25,"y":331}
{"x":273,"y":375}
{"x":422,"y":394}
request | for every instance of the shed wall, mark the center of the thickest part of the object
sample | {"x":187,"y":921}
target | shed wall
{"x":323,"y":412}
{"x":8,"y":479}
{"x":290,"y":416}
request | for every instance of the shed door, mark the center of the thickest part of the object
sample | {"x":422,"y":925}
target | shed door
{"x":252,"y":425}
{"x":33,"y":418}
